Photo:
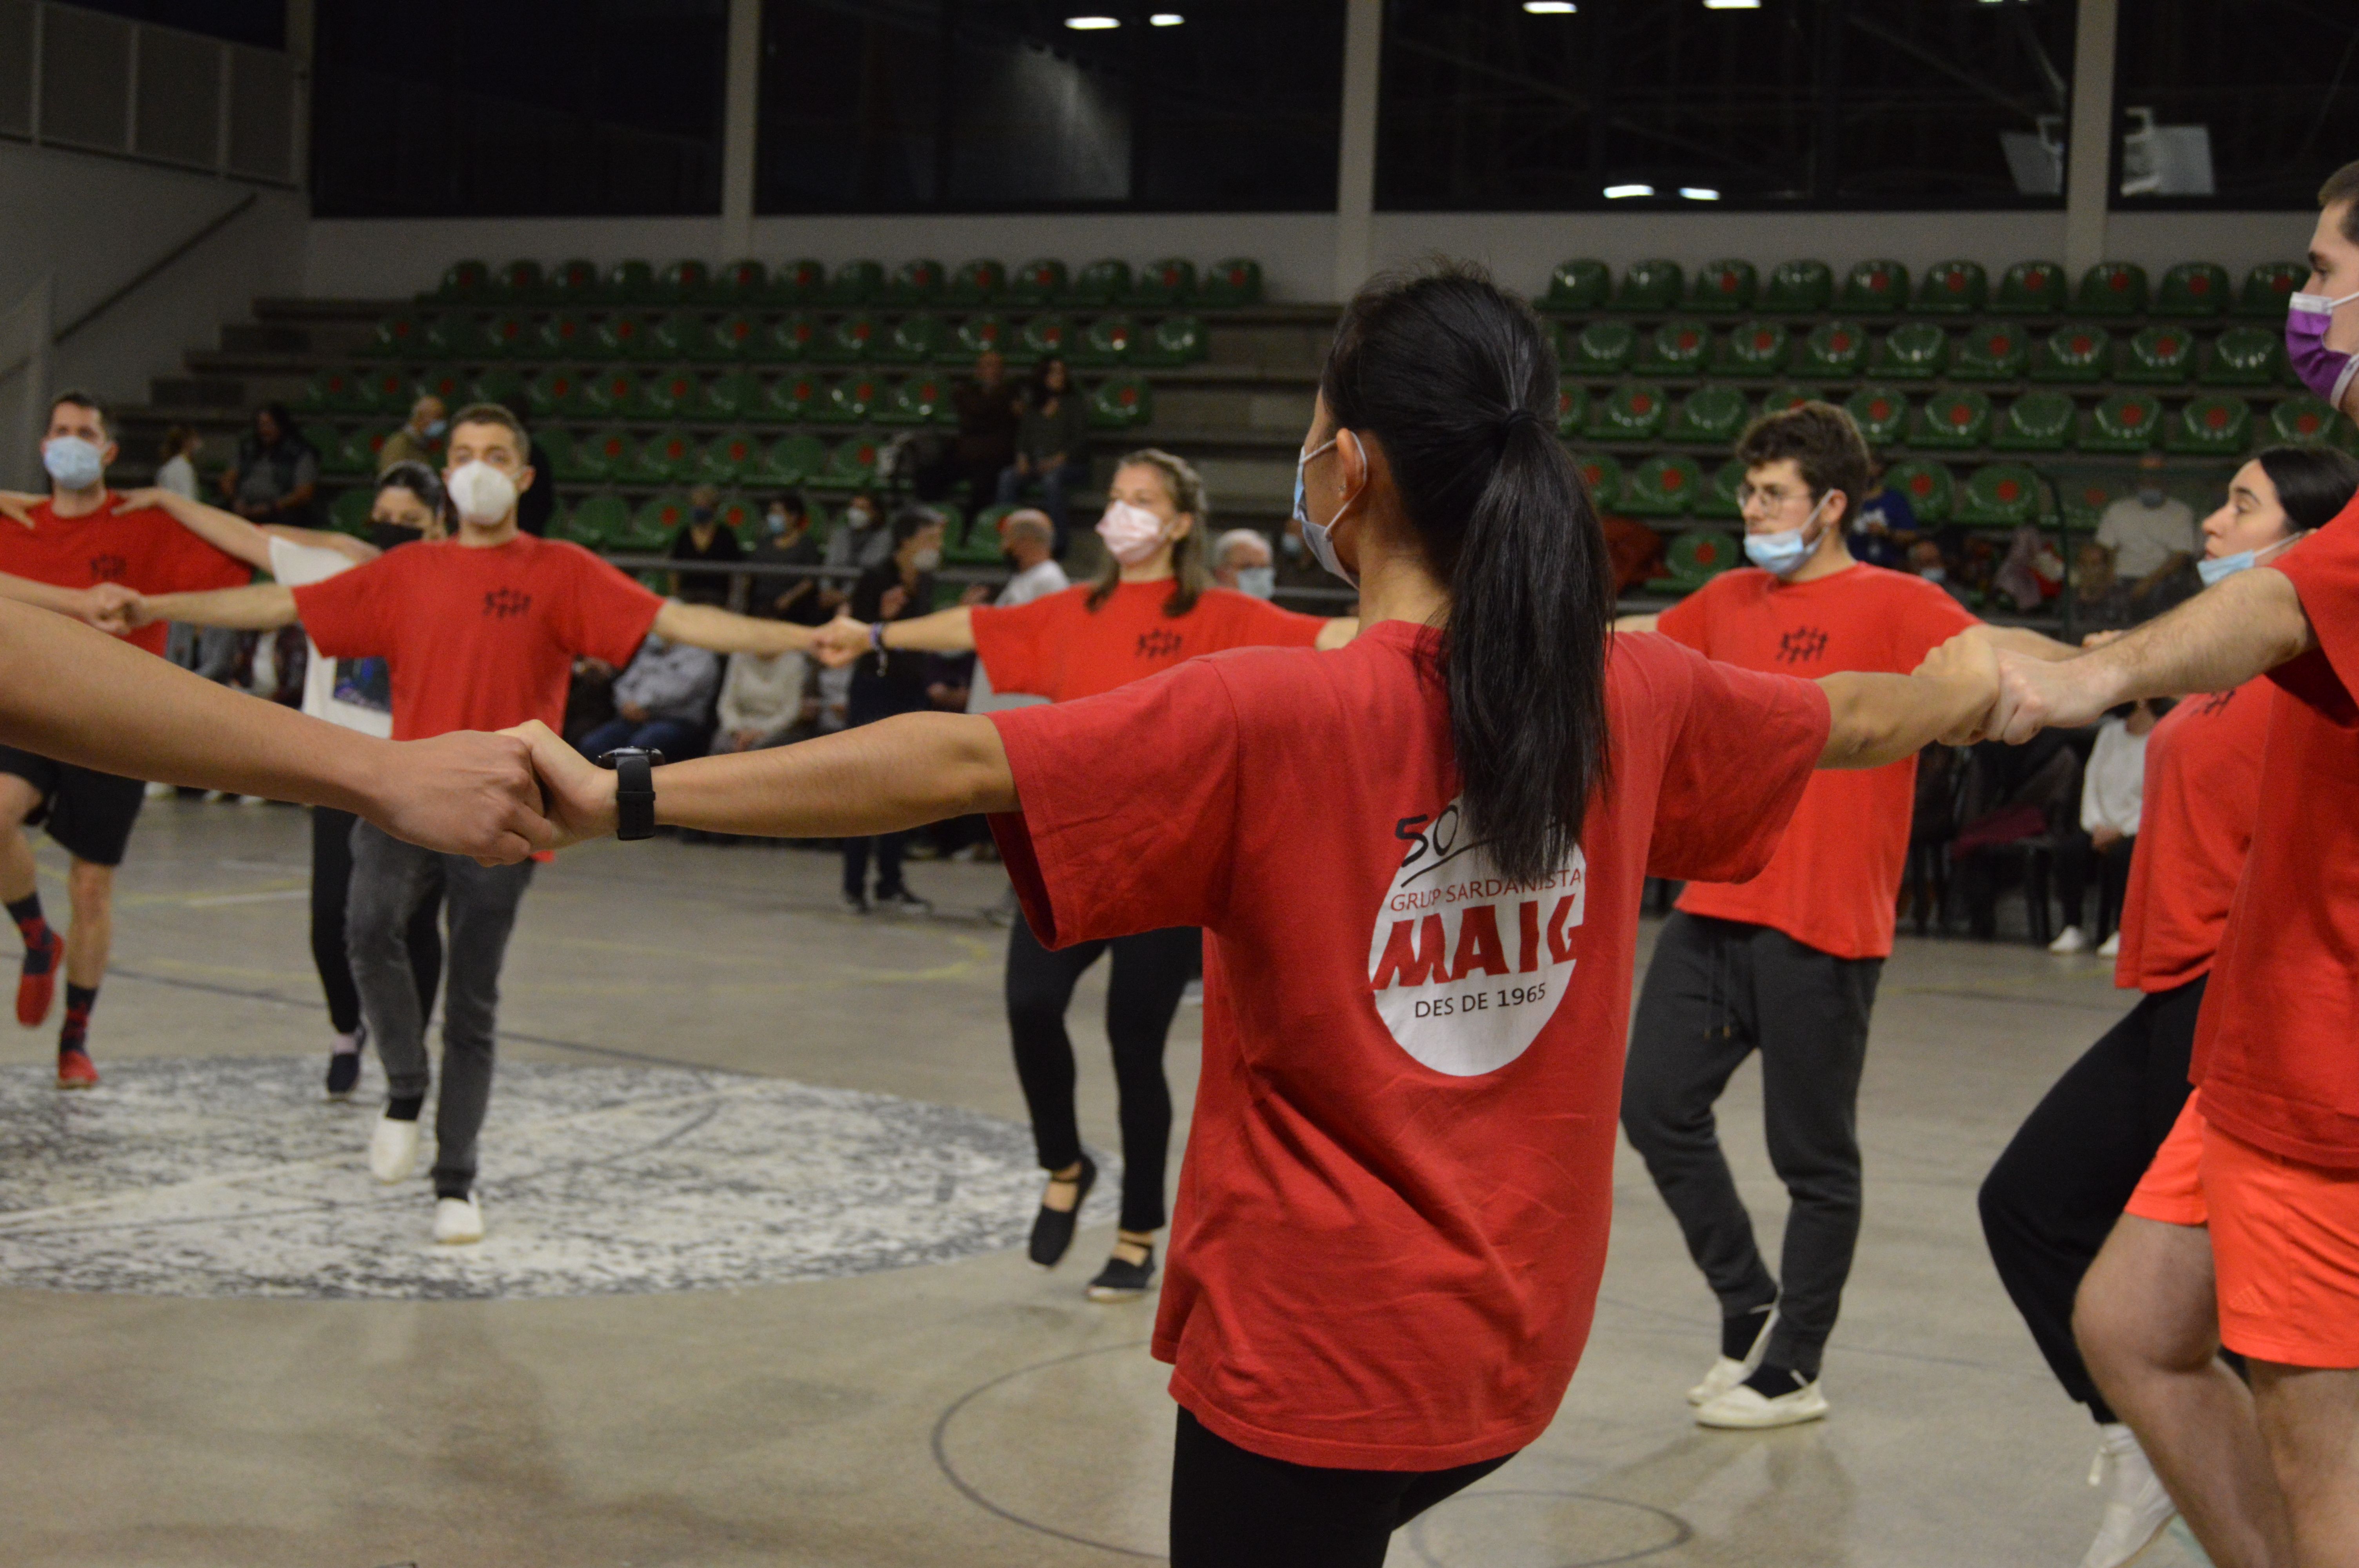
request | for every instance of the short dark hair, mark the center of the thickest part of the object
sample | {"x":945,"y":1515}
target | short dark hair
{"x":415,"y":478}
{"x":2343,"y":185}
{"x":80,"y":399}
{"x":912,"y":520}
{"x":493,"y":414}
{"x":2313,"y":483}
{"x":1823,"y":443}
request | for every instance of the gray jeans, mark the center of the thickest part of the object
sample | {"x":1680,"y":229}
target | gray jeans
{"x":390,"y":879}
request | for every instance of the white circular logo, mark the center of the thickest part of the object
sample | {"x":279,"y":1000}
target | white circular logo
{"x":1467,"y":967}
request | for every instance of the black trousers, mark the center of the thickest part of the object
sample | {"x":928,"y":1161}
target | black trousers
{"x":2056,"y":1193}
{"x":1716,"y":991}
{"x":331,"y":879}
{"x":1235,"y":1509}
{"x":1150,"y":971}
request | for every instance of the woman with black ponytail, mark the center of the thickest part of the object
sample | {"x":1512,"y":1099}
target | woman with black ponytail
{"x":1418,"y":860}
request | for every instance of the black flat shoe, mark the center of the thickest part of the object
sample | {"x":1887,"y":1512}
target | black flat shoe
{"x":1122,"y":1279}
{"x":1053,"y":1231}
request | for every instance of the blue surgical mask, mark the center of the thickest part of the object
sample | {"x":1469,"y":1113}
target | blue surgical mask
{"x":73,"y":462}
{"x":1259,"y":581}
{"x":2214,"y":571}
{"x":1318,"y":535}
{"x":1782,"y":555}
{"x":434,"y":428}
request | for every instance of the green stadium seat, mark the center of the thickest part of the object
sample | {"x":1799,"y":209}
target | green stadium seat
{"x":1601,"y":348}
{"x":597,"y":520}
{"x":674,"y":335}
{"x":349,"y":513}
{"x":1635,"y":411}
{"x":1039,"y":282}
{"x":2303,"y":420}
{"x":791,"y":340}
{"x":2193,"y":289}
{"x":2082,"y":502}
{"x":1753,"y":349}
{"x":918,"y":282}
{"x":1043,"y":337}
{"x":851,"y":465}
{"x":729,"y":459}
{"x":2124,"y":422}
{"x":2268,"y":286}
{"x":1929,"y":487}
{"x":631,"y":283}
{"x":601,"y":455}
{"x":794,"y":397}
{"x":2038,"y":421}
{"x":1600,"y":473}
{"x":1786,"y":396}
{"x":1952,"y":288}
{"x":1953,"y":420}
{"x":1875,"y":288}
{"x":2078,"y":353}
{"x":2112,"y":289}
{"x":801,"y":282}
{"x":567,"y":336}
{"x":853,"y":340}
{"x":334,"y":392}
{"x":1720,"y":497}
{"x":1165,"y":285}
{"x":1100,"y":284}
{"x":455,"y":335}
{"x":744,"y":282}
{"x":445,"y":381}
{"x":1914,"y":350}
{"x":1665,"y":485}
{"x":736,"y":336}
{"x":613,"y":392}
{"x":503,"y":386}
{"x":1650,"y":285}
{"x":1723,"y":287}
{"x":1880,"y":412}
{"x":1121,"y":402}
{"x":848,"y":401}
{"x":2000,"y":495}
{"x":1108,"y":341}
{"x":399,"y":336}
{"x":1834,"y":351}
{"x":737,"y":396}
{"x":1581,"y":284}
{"x":2030,"y":289}
{"x":2213,"y":424}
{"x":673,"y":392}
{"x":1695,"y":557}
{"x":1572,"y":409}
{"x":669,"y":456}
{"x":978,"y":335}
{"x":465,"y":282}
{"x":1713,"y":414}
{"x":688,"y":282}
{"x":1676,"y":348}
{"x":2157,"y":355}
{"x":387,"y":389}
{"x":575,"y":283}
{"x":1176,"y":341}
{"x":655,"y":523}
{"x":791,"y":460}
{"x":977,"y":543}
{"x":2245,"y":356}
{"x":915,"y":339}
{"x":736,"y":514}
{"x":622,"y":336}
{"x":552,"y":454}
{"x":1800,"y":287}
{"x":1990,"y":351}
{"x":856,"y":283}
{"x":921,"y":400}
{"x":555,"y":393}
{"x":519,"y":282}
{"x":351,"y":453}
{"x":979,"y":281}
{"x":1231,"y":283}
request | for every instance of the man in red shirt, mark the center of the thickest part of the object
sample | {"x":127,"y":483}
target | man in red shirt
{"x":479,"y":632}
{"x":1785,"y":963}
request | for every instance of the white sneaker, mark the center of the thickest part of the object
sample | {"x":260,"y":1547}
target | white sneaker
{"x":1748,"y":1409}
{"x":458,"y":1221}
{"x":162,"y":791}
{"x":2110,"y":947}
{"x":2068,"y":942}
{"x":1726,"y":1374}
{"x":2136,"y":1508}
{"x":393,"y":1150}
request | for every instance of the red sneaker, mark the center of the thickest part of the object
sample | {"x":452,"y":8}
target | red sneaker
{"x":37,"y":987}
{"x":75,"y":1070}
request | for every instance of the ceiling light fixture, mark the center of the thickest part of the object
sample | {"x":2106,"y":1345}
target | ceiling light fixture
{"x":1698,"y":193}
{"x":1164,"y":19}
{"x":1550,"y":7}
{"x":1732,"y":4}
{"x":1616,"y":192}
{"x":1092,"y":24}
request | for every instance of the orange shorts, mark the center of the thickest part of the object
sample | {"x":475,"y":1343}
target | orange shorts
{"x":2284,"y":1241}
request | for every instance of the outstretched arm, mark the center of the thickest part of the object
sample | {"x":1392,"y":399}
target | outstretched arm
{"x":2031,"y":645}
{"x":948,"y":631}
{"x":880,"y":778}
{"x":70,"y":693}
{"x":1880,"y":718}
{"x":225,"y":530}
{"x":107,"y":606}
{"x":261,"y":608}
{"x":706,"y":626}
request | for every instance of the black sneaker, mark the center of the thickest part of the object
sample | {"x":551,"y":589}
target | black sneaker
{"x":344,"y":1066}
{"x":901,"y":901}
{"x":855,"y":905}
{"x":1123,"y":1280}
{"x":1052,"y":1230}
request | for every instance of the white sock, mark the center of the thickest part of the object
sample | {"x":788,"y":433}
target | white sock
{"x":346,"y":1045}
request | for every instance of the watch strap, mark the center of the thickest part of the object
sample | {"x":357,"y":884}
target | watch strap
{"x":634,"y":790}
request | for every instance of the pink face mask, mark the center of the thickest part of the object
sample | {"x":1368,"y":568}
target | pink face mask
{"x":1132,"y":533}
{"x":2326,"y":372}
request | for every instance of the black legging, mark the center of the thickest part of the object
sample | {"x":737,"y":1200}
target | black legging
{"x":2057,"y":1192}
{"x":332,"y":876}
{"x":1235,"y":1509}
{"x":1150,"y":971}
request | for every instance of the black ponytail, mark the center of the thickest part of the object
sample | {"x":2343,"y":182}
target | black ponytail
{"x":1454,"y":379}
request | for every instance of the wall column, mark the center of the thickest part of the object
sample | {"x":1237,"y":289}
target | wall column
{"x":739,"y":122}
{"x":2089,"y":143}
{"x":1356,"y":179}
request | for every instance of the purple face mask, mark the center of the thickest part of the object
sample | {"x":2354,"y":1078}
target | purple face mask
{"x":2326,"y":372}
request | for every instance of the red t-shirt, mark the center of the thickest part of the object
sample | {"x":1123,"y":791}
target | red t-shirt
{"x":147,"y":551}
{"x":1393,"y":1212}
{"x":1059,"y":648}
{"x":478,"y":639}
{"x":1835,"y":879}
{"x":2277,"y":1049}
{"x":2202,"y":789}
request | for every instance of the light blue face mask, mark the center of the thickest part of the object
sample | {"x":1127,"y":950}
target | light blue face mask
{"x":2214,"y":571}
{"x":1318,"y":535}
{"x":1782,"y":555}
{"x":73,"y":462}
{"x":1259,"y":581}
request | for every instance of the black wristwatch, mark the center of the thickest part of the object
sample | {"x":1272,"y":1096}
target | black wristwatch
{"x":634,"y":790}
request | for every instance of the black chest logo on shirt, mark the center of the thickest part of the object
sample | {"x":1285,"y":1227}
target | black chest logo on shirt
{"x":1802,"y":646}
{"x":501,"y":603}
{"x":2213,"y":703}
{"x":109,"y":569}
{"x":1157,"y":644}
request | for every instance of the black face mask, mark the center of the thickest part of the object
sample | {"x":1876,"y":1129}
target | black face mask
{"x":387,"y":535}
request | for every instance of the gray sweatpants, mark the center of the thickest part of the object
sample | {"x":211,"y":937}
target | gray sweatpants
{"x":390,"y":879}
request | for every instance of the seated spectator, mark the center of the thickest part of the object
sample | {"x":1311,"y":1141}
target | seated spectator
{"x":2032,"y":573}
{"x":1052,"y":445}
{"x":274,"y":477}
{"x":1926,"y":560}
{"x":1884,"y":525}
{"x":862,"y":540}
{"x":662,"y":702}
{"x":2112,"y":790}
{"x":786,"y":542}
{"x":988,"y":410}
{"x":763,"y":701}
{"x":420,"y":439}
{"x":2151,"y":536}
{"x":2101,"y":602}
{"x":175,"y":464}
{"x":1024,"y":538}
{"x":704,"y":538}
{"x":1242,"y":560}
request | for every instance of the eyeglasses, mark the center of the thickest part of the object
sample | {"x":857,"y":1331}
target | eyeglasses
{"x":1769,"y":498}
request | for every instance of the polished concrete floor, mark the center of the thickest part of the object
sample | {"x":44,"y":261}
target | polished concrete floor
{"x":977,"y":1412}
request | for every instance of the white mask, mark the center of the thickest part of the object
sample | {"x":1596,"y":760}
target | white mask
{"x":926,"y":560}
{"x":1132,"y":533}
{"x":73,"y":462}
{"x":483,"y":494}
